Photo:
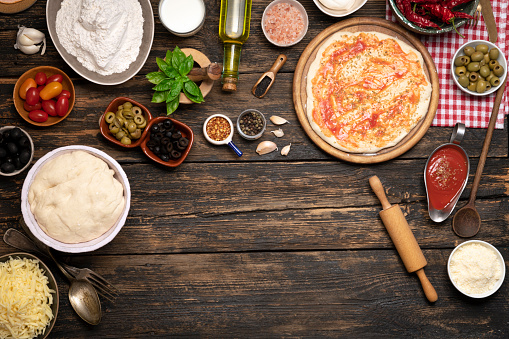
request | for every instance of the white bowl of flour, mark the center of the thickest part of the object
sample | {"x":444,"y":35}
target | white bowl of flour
{"x":103,"y":42}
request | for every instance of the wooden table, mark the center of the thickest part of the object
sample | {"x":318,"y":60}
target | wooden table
{"x":260,"y":246}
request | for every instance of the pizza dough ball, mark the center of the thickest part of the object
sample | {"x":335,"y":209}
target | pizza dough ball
{"x":75,"y":197}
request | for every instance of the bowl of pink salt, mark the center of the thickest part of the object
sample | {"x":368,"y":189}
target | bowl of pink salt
{"x":284,"y":22}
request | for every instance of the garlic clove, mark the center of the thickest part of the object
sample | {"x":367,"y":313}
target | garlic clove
{"x":278,"y":133}
{"x":34,"y":35}
{"x":30,"y":40}
{"x":28,"y":49}
{"x":286,"y":150}
{"x":265,"y":147}
{"x":278,"y":120}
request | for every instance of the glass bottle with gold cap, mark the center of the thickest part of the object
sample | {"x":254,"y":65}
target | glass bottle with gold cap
{"x":233,"y":31}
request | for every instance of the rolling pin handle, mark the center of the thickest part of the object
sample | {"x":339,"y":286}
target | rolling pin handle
{"x":429,"y":290}
{"x":377,"y":187}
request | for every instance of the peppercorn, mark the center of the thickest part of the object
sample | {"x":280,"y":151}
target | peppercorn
{"x":251,"y":123}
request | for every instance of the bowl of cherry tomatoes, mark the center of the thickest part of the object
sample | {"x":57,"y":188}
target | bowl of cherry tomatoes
{"x":44,"y":96}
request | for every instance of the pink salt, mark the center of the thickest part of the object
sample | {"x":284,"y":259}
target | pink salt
{"x":283,"y":23}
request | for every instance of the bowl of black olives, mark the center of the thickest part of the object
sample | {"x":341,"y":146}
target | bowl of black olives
{"x":16,"y":150}
{"x":479,"y":67}
{"x":168,"y":141}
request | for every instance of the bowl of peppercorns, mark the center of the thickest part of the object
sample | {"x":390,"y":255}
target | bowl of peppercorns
{"x":251,"y":124}
{"x":16,"y":150}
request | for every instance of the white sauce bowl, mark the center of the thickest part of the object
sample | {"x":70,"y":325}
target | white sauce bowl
{"x":182,"y":18}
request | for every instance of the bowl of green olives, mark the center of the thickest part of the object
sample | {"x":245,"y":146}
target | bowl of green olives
{"x":124,"y":122}
{"x":479,"y":67}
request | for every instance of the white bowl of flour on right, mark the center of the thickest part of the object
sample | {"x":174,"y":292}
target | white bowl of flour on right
{"x":103,"y":42}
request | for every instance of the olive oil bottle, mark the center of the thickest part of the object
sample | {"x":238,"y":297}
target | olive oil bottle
{"x":233,"y":31}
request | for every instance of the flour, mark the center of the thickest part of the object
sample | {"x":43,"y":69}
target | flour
{"x":104,"y":35}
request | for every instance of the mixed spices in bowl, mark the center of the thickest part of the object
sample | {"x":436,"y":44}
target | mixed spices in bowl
{"x":251,"y":124}
{"x":218,"y":128}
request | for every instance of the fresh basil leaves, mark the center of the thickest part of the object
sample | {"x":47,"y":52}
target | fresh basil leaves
{"x":172,"y":79}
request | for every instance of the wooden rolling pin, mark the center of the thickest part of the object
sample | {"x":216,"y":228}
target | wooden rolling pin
{"x":403,"y":239}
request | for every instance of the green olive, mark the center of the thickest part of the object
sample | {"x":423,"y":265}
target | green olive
{"x":483,"y":48}
{"x":459,"y":61}
{"x":143,"y":125}
{"x":121,"y":121}
{"x":486,"y":58}
{"x":494,"y":53}
{"x":128,"y":115}
{"x":461,"y":70}
{"x":136,"y":134}
{"x":498,"y":70}
{"x":139,"y":119}
{"x":473,"y":77}
{"x":120,"y":134}
{"x":482,"y":63}
{"x":495,"y":81}
{"x":472,"y":86}
{"x":114,"y":129}
{"x":477,"y":56}
{"x":468,"y":50}
{"x":119,"y":114}
{"x":466,"y":60}
{"x":131,"y":127}
{"x":488,"y":86}
{"x":473,"y":67}
{"x":136,"y":110}
{"x":120,"y":107}
{"x":127,"y":105}
{"x":484,"y":71}
{"x":481,"y":86}
{"x":493,"y":63}
{"x":125,"y":140}
{"x":109,"y":117}
{"x":463,"y":81}
{"x":488,"y":78}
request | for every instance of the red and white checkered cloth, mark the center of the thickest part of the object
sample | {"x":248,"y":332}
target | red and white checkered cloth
{"x":455,"y":105}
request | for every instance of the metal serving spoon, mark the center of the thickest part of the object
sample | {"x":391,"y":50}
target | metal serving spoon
{"x":466,"y":221}
{"x":82,"y":295}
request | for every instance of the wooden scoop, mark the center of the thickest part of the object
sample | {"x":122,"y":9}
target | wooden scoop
{"x":403,"y":239}
{"x":267,"y":79}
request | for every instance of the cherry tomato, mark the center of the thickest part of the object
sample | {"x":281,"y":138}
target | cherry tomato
{"x":29,"y":108}
{"x":40,"y":78}
{"x":40,"y":88}
{"x":32,"y":96}
{"x":28,"y":83}
{"x":62,"y":106}
{"x":49,"y":106}
{"x":51,"y":90}
{"x":38,"y":116}
{"x":65,"y":93}
{"x":55,"y":77}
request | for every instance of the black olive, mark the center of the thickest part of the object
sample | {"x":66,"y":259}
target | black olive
{"x":165,"y":141}
{"x":157,"y":150}
{"x":23,"y":142}
{"x":18,"y":164}
{"x":183,"y":141}
{"x":175,"y":154}
{"x":168,"y":124}
{"x":168,"y":134}
{"x":154,"y":129}
{"x":3,"y":152}
{"x":169,"y":147}
{"x":165,"y":157}
{"x":157,"y":136}
{"x":176,"y":135}
{"x":12,"y":148}
{"x":7,"y":167}
{"x":16,"y":133}
{"x":161,"y":125}
{"x":24,"y":156}
{"x":9,"y":160}
{"x":178,"y":146}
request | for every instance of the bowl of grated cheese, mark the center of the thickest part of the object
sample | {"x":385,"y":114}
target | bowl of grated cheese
{"x":476,"y":268}
{"x":38,"y":313}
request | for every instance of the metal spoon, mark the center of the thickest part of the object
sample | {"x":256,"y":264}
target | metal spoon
{"x":466,"y":221}
{"x":82,"y":295}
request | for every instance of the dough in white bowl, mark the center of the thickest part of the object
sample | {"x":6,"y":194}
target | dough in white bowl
{"x":338,"y":4}
{"x":75,"y":197}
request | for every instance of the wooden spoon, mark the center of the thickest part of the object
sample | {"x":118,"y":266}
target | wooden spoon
{"x":267,"y":79}
{"x":466,"y":221}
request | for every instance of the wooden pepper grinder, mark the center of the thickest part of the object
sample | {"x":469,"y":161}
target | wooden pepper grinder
{"x":403,"y":239}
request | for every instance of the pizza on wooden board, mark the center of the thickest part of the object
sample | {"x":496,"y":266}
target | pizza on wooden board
{"x":366,"y":91}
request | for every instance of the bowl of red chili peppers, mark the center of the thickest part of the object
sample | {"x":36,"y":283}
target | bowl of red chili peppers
{"x":431,"y":17}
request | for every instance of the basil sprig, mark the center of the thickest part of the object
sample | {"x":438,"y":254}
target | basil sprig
{"x":172,"y":79}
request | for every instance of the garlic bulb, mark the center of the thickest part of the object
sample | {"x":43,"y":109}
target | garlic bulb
{"x":30,"y":40}
{"x":265,"y":147}
{"x":286,"y":150}
{"x":278,"y":120}
{"x":278,"y":133}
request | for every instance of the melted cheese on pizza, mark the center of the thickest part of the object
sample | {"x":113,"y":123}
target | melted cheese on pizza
{"x":365,"y":92}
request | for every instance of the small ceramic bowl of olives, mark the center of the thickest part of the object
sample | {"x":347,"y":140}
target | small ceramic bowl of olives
{"x":479,"y":67}
{"x":124,"y":122}
{"x":16,"y":150}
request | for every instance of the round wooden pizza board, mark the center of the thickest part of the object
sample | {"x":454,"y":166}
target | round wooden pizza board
{"x":364,"y":25}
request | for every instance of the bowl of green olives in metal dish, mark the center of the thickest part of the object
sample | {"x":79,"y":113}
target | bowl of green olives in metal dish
{"x":16,"y":150}
{"x":124,"y":122}
{"x":479,"y":67}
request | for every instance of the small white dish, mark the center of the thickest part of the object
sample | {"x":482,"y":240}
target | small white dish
{"x":501,"y":60}
{"x":87,"y":246}
{"x":226,"y":141}
{"x":299,"y":8}
{"x":182,"y":18}
{"x":340,"y":12}
{"x":499,"y":257}
{"x":32,"y":151}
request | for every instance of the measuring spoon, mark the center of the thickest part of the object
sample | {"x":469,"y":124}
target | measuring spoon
{"x":466,"y":221}
{"x":226,"y":141}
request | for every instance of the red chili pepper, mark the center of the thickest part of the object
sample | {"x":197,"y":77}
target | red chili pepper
{"x":453,"y":3}
{"x":440,"y":12}
{"x":462,"y":15}
{"x":415,"y":18}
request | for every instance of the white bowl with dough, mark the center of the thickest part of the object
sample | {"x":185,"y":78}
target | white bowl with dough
{"x":90,"y":245}
{"x":339,"y":8}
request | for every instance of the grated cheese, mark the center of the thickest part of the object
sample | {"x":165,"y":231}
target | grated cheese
{"x":25,"y":299}
{"x":475,"y":268}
